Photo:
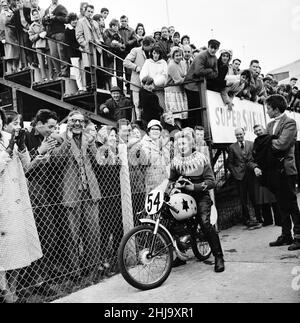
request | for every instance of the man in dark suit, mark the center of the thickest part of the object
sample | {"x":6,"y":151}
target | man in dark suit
{"x":240,"y":164}
{"x":286,"y":130}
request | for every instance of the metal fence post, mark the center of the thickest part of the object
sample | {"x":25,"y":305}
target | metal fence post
{"x":126,"y":195}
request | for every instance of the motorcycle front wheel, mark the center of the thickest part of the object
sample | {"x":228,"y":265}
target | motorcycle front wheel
{"x":137,"y":266}
{"x":200,"y":245}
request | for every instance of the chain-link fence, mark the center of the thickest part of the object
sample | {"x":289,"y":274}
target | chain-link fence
{"x":83,"y":202}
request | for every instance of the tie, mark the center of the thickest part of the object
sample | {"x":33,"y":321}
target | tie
{"x":242,"y":146}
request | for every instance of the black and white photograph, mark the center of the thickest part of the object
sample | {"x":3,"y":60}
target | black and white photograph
{"x":149,"y":154}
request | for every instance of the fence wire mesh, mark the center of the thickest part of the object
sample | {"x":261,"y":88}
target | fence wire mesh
{"x":82,"y":205}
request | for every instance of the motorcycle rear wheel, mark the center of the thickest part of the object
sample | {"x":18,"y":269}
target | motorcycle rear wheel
{"x":136,"y":268}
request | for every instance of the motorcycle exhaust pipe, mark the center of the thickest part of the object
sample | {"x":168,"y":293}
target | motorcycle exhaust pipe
{"x":182,"y":256}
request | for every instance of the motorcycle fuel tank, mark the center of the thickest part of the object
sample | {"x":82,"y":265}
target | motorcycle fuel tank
{"x":185,"y":204}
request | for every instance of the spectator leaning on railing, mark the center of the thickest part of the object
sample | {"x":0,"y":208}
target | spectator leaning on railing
{"x":135,"y":61}
{"x":205,"y":65}
{"x":157,"y":69}
{"x":117,"y":107}
{"x":175,"y":96}
{"x":149,"y":101}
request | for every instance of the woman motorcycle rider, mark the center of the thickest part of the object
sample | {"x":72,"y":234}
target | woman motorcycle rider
{"x":192,"y":174}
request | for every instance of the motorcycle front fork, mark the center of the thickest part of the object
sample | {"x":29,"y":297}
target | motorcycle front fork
{"x":154,"y":237}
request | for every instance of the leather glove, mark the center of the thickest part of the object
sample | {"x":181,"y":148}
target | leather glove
{"x":20,"y":140}
{"x":11,"y":145}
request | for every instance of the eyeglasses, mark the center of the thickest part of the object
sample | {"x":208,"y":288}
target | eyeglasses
{"x":77,"y":120}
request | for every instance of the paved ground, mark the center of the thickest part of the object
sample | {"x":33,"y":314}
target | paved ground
{"x":254,"y":273}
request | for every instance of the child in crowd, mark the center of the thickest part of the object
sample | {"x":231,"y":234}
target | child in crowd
{"x":149,"y":103}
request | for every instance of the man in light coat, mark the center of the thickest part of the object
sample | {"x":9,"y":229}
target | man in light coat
{"x":87,"y":30}
{"x":134,"y":61}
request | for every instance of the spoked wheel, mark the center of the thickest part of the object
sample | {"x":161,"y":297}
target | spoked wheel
{"x":200,"y":245}
{"x":140,"y":269}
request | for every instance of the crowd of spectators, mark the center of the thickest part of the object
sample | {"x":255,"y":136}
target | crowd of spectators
{"x":70,"y":175}
{"x":64,"y":207}
{"x":164,"y":64}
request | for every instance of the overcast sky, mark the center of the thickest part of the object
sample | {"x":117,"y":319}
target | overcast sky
{"x":268,"y":30}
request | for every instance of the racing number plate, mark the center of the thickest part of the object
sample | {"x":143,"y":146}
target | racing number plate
{"x":154,"y":202}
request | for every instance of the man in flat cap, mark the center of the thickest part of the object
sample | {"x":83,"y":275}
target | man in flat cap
{"x":205,"y":65}
{"x":118,"y":107}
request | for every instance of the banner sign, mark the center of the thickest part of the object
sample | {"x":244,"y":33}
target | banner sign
{"x":245,"y":114}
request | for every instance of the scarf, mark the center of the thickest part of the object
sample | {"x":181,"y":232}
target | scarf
{"x":78,"y":154}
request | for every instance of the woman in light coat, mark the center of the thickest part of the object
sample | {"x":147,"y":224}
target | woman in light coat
{"x":19,"y":241}
{"x":156,"y":156}
{"x":156,"y":68}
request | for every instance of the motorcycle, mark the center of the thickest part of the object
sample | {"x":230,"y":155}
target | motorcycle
{"x":146,"y":253}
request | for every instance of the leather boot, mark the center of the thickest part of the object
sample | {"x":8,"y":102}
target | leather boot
{"x":282,"y":241}
{"x":219,"y":264}
{"x":295,"y":246}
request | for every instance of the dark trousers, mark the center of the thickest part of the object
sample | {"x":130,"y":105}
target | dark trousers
{"x":246,"y":194}
{"x":194,"y":117}
{"x":58,"y":51}
{"x":297,"y":153}
{"x":288,"y":205}
{"x":204,"y":204}
{"x":82,"y":248}
{"x":111,"y":224}
{"x":264,"y":212}
{"x":119,"y":68}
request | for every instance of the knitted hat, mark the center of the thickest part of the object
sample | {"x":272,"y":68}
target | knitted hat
{"x":154,"y":123}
